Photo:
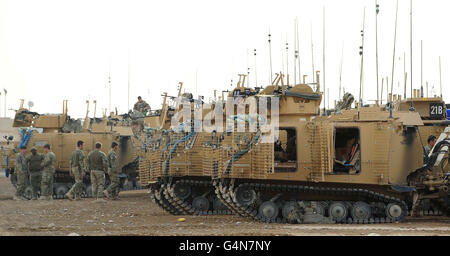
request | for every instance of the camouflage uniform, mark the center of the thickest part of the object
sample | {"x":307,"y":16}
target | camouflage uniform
{"x":77,"y":167}
{"x":97,"y":164}
{"x":113,"y":172}
{"x":47,"y":175}
{"x":142,"y":107}
{"x":35,"y":169}
{"x":428,"y":149}
{"x":21,"y":174}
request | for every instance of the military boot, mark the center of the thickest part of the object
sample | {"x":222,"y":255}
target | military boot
{"x":17,"y":198}
{"x":106,"y":193}
{"x":69,"y":196}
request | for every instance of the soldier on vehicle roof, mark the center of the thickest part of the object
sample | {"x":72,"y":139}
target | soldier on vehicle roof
{"x":142,"y":106}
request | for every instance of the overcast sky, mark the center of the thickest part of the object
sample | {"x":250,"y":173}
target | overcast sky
{"x":55,"y":50}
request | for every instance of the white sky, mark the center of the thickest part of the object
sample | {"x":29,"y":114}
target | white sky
{"x":55,"y":50}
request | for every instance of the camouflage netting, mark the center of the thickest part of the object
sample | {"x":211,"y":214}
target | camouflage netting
{"x":72,"y":125}
{"x":345,"y":103}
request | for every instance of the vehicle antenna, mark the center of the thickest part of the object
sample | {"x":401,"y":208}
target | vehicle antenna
{"x":270,"y":56}
{"x":377,"y":10}
{"x":361,"y":52}
{"x":411,"y":49}
{"x":323,"y":55}
{"x":393,"y":63}
{"x":256,"y":77}
{"x":340,"y":71}
{"x":312,"y":54}
{"x":440,"y":75}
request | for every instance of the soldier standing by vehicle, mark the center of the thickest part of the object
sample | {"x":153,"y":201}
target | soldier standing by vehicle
{"x":21,"y":173}
{"x":431,"y":141}
{"x":141,"y":106}
{"x":77,"y":170}
{"x":34,"y":166}
{"x":97,"y":165}
{"x":47,"y":174}
{"x":113,"y":171}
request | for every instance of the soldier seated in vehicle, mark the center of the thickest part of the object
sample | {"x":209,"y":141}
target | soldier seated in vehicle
{"x":279,"y":153}
{"x":431,"y":141}
{"x":350,"y":162}
{"x":142,"y":106}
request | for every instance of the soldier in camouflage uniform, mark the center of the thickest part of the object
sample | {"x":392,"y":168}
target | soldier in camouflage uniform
{"x":113,"y":171}
{"x":21,"y":171}
{"x":47,"y":174}
{"x":97,"y":165}
{"x":141,"y":106}
{"x":431,"y":141}
{"x":34,"y":167}
{"x":77,"y":170}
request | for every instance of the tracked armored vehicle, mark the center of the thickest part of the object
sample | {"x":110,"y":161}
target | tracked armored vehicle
{"x":62,"y":133}
{"x":179,"y":172}
{"x":352,"y":167}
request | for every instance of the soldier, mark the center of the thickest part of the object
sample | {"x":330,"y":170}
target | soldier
{"x":77,"y":170}
{"x":97,"y":165}
{"x":21,"y":170}
{"x":113,"y":171}
{"x":34,"y":167}
{"x":141,"y":106}
{"x":47,"y":174}
{"x":431,"y":141}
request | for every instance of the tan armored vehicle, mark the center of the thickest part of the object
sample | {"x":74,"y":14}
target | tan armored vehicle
{"x":62,"y":133}
{"x":172,"y":168}
{"x":352,"y":167}
{"x":176,"y":162}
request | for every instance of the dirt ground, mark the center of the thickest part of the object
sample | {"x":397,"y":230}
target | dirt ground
{"x":135,"y":214}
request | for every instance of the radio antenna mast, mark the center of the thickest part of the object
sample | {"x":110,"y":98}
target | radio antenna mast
{"x":282,"y":56}
{"x":393,"y":63}
{"x":361,"y":52}
{"x":256,"y":78}
{"x":298,"y":52}
{"x":421,"y":68}
{"x":411,"y":49}
{"x":270,"y":57}
{"x":340,"y":72}
{"x":128,"y":80}
{"x":295,"y":51}
{"x":248,"y":70}
{"x":377,"y":10}
{"x":404,"y":74}
{"x":440,"y":75}
{"x":287,"y":61}
{"x":109,"y":85}
{"x":312,"y":55}
{"x":323,"y":53}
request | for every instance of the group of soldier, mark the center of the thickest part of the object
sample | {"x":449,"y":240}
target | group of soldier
{"x":41,"y":169}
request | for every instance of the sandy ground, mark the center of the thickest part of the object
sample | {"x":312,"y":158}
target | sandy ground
{"x":135,"y":214}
